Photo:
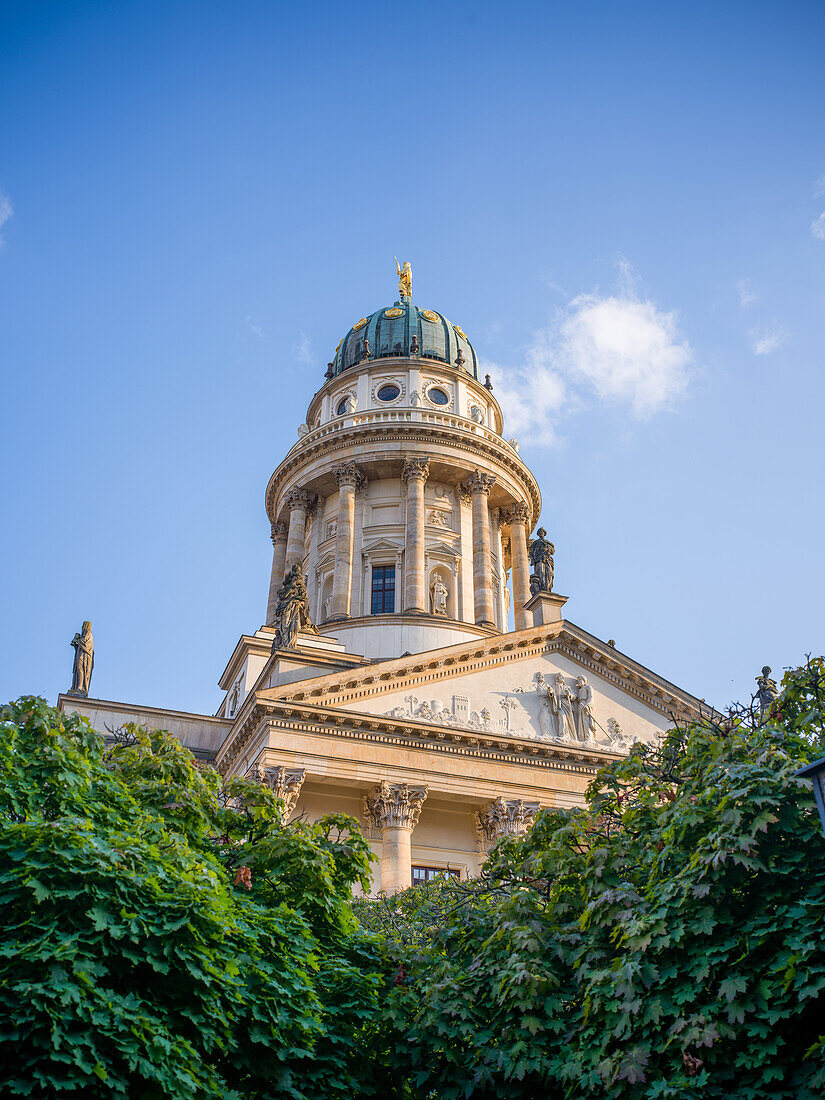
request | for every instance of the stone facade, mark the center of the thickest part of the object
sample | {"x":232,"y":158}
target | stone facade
{"x":440,"y":704}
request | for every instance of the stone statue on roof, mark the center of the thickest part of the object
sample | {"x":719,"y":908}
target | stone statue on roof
{"x":404,"y":278}
{"x":541,"y":559}
{"x":766,"y":689}
{"x":292,"y":611}
{"x":84,"y":661}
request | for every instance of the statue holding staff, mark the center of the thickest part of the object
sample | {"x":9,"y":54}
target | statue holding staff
{"x":84,"y":661}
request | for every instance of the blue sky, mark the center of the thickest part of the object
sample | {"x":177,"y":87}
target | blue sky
{"x":621,"y":204}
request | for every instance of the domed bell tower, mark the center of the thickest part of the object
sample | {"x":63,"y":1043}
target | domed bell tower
{"x":402,"y":501}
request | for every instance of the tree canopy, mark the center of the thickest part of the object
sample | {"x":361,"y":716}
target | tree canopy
{"x":164,"y":935}
{"x":664,"y":941}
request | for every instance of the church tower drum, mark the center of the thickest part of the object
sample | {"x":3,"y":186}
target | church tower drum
{"x":401,"y":500}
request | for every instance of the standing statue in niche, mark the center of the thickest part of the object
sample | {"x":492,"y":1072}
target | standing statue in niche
{"x":84,"y":661}
{"x":541,"y":559}
{"x":585,"y":723}
{"x":404,"y":279}
{"x":438,"y":596}
{"x":561,"y":702}
{"x":766,"y":689}
{"x":292,"y":611}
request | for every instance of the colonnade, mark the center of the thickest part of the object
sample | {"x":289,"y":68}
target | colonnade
{"x":288,"y":543}
{"x":394,"y":810}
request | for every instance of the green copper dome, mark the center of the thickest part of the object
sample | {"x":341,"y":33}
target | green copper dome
{"x":404,"y":330}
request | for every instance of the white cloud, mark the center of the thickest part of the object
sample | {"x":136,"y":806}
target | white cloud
{"x":6,"y":211}
{"x":529,"y":396}
{"x":626,"y":350}
{"x":302,"y":351}
{"x":255,"y":326}
{"x":819,"y":187}
{"x":620,"y":348}
{"x":747,"y":295}
{"x":818,"y":227}
{"x":763,"y":341}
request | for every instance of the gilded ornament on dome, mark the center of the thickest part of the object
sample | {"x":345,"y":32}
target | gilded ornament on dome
{"x":428,"y":315}
{"x":394,"y":312}
{"x":340,"y":342}
{"x":460,"y":332}
{"x":359,"y":324}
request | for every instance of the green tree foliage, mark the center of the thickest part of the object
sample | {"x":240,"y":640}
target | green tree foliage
{"x":665,"y":941}
{"x":163,"y":936}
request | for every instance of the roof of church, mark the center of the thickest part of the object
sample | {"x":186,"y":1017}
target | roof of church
{"x":403,"y":329}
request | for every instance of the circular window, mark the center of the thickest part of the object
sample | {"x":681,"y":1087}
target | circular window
{"x":342,"y":407}
{"x":388,"y":393}
{"x":438,"y":396}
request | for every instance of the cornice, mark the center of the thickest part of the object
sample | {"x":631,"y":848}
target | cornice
{"x":459,"y":439}
{"x":350,"y":725}
{"x":431,"y":667}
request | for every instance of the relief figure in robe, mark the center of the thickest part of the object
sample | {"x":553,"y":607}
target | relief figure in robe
{"x":561,"y":700}
{"x":585,"y":724}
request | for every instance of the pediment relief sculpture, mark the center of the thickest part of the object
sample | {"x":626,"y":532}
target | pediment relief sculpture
{"x":557,"y":709}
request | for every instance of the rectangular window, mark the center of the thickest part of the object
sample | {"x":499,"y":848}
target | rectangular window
{"x":427,"y":874}
{"x":383,"y":589}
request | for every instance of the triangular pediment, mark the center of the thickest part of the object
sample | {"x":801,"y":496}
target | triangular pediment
{"x":382,"y":544}
{"x":550,"y":683}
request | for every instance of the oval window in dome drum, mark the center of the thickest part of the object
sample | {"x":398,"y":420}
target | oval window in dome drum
{"x":343,"y":406}
{"x":438,"y":396}
{"x":388,"y":393}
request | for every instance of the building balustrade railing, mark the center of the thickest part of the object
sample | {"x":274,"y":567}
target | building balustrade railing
{"x":370,"y":417}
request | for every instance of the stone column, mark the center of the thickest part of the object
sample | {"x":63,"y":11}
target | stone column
{"x":503,"y":817}
{"x":394,"y":808}
{"x":276,"y":578}
{"x":349,"y":479}
{"x":298,"y":503}
{"x":414,"y":474}
{"x":519,"y":516}
{"x":480,"y":485}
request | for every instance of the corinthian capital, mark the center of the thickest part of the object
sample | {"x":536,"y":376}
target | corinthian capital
{"x":278,"y":532}
{"x":349,"y":474}
{"x":297,"y":498}
{"x":504,"y":817}
{"x":517,"y":513}
{"x":394,"y":804}
{"x":478,"y":482}
{"x":416,"y":469}
{"x":285,"y":784}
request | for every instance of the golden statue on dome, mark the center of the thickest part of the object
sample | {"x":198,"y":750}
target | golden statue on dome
{"x":404,"y":278}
